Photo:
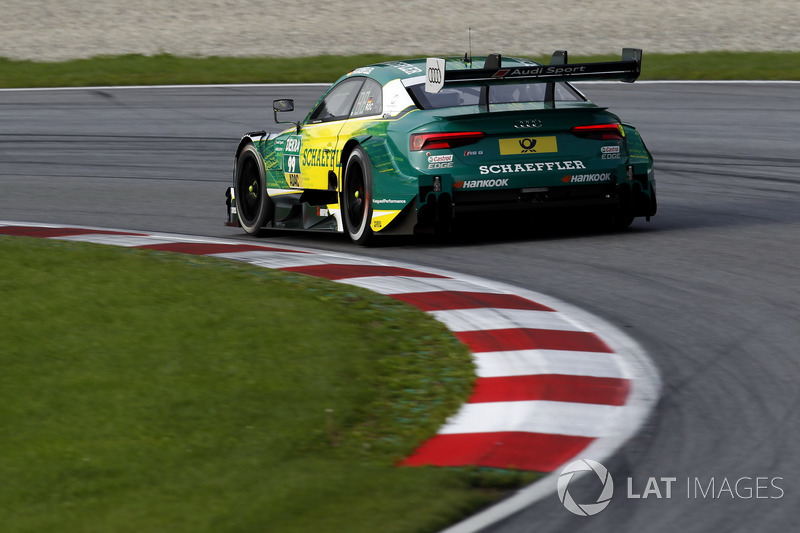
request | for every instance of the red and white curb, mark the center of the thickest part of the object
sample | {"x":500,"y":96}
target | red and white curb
{"x":553,"y":382}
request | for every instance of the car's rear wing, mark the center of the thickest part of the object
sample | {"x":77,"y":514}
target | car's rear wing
{"x":493,"y":73}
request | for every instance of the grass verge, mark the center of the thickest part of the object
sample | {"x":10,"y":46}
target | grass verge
{"x":167,"y":69}
{"x":146,"y":391}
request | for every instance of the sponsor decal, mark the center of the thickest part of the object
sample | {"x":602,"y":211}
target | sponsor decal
{"x":322,"y":212}
{"x":478,"y":184}
{"x":564,"y":70}
{"x":545,"y":70}
{"x":440,"y":161}
{"x":361,"y":70}
{"x":291,"y":151}
{"x":535,"y":71}
{"x":531,"y":167}
{"x":587,"y":178}
{"x":611,"y":152}
{"x":404,"y":67}
{"x":321,"y":157}
{"x":468,"y":153}
{"x":388,"y":201}
{"x":528,"y":145}
{"x":294,"y":180}
{"x":292,"y":145}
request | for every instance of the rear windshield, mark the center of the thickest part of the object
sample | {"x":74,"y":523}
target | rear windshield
{"x":498,"y":94}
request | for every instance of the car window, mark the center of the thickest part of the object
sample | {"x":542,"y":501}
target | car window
{"x":337,"y":103}
{"x":369,"y":101}
{"x":517,"y":93}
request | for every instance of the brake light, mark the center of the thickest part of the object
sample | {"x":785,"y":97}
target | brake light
{"x":437,"y":141}
{"x":600,"y":132}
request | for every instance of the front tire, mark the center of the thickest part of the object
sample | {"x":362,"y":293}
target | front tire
{"x":357,"y":197}
{"x":254,"y":207}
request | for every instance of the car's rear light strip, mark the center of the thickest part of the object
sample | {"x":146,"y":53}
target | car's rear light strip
{"x":602,"y":132}
{"x":437,"y":141}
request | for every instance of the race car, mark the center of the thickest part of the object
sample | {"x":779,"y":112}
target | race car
{"x":410,"y":146}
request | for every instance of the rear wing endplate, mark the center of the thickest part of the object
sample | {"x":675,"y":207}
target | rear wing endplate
{"x":493,"y":73}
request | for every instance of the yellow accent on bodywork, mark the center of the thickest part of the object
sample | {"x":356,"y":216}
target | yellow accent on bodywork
{"x":319,"y":153}
{"x":381,"y":219}
{"x":528,"y":145}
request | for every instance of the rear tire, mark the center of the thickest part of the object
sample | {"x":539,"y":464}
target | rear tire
{"x":254,"y":207}
{"x":357,"y":197}
{"x":605,"y":220}
{"x":621,"y":221}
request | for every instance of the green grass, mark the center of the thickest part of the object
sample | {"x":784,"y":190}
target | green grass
{"x":146,"y":391}
{"x":166,"y":69}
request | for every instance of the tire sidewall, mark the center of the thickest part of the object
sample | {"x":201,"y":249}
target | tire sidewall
{"x":362,"y":233}
{"x":252,"y":225}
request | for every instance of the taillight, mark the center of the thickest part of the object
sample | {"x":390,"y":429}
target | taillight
{"x":436,"y":141}
{"x":600,"y":132}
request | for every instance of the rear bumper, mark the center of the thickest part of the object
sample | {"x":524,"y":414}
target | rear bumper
{"x":535,"y":198}
{"x":633,"y":197}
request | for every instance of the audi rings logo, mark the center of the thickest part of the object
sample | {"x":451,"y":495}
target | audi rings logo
{"x":585,"y":509}
{"x":434,"y":75}
{"x":525,"y":124}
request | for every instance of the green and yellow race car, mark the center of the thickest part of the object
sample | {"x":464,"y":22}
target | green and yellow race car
{"x":410,"y":146}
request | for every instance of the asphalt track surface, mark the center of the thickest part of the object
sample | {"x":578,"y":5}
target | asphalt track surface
{"x":709,"y":288}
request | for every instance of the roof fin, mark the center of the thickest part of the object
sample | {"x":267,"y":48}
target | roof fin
{"x":493,"y":61}
{"x":559,"y":57}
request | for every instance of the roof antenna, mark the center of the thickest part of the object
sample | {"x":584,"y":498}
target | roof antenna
{"x":468,"y":56}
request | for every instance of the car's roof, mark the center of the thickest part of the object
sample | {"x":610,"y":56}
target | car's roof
{"x":412,"y":68}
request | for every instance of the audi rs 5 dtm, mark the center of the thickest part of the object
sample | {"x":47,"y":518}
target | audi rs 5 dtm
{"x":409,"y":146}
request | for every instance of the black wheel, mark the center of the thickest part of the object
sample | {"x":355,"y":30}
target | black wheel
{"x":620,"y":220}
{"x":622,"y":217}
{"x":253,"y":205}
{"x":357,"y":197}
{"x":608,"y":220}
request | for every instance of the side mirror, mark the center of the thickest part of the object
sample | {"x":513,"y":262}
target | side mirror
{"x":286,"y":104}
{"x":282,"y":105}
